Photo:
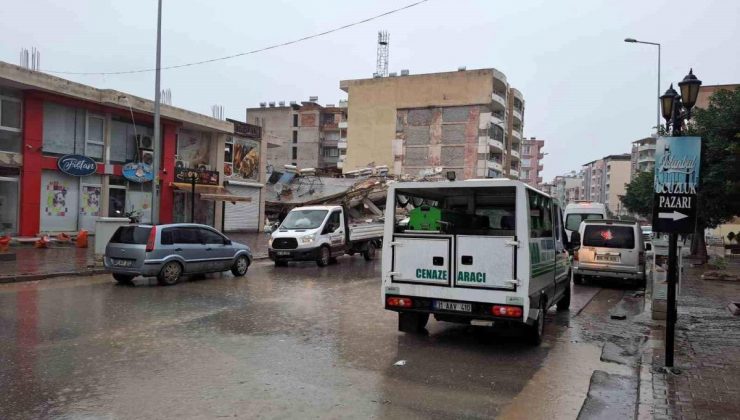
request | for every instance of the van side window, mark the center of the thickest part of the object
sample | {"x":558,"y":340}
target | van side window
{"x":540,"y":215}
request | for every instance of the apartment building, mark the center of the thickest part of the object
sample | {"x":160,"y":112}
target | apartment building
{"x":568,"y":188}
{"x":532,"y":157}
{"x":309,"y":135}
{"x":605,"y":180}
{"x":642,"y":156}
{"x":466,"y":121}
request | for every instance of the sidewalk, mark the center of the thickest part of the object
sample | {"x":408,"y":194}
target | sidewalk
{"x":707,"y":355}
{"x":67,"y":260}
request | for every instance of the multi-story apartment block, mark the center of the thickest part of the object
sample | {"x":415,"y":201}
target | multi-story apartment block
{"x":568,"y":188}
{"x":642,"y":156}
{"x":310,"y":135}
{"x":605,"y":180}
{"x":532,"y":156}
{"x":467,"y":121}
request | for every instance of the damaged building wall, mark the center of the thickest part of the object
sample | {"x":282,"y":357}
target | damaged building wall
{"x":446,"y":137}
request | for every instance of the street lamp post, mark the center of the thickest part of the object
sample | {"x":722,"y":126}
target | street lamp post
{"x":676,"y":110}
{"x":157,"y":130}
{"x":632,"y":40}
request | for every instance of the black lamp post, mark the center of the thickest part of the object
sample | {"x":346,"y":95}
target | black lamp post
{"x":677,"y":108}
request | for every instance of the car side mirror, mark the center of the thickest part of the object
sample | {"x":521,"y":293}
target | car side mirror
{"x":648,"y":246}
{"x":227,"y":241}
{"x":575,"y":241}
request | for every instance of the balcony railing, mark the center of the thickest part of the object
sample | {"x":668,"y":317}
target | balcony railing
{"x":517,"y":114}
{"x":516,"y":134}
{"x":644,"y":147}
{"x":495,"y":165}
{"x":515,"y":154}
{"x":342,"y":144}
{"x":499,"y":97}
{"x":343,"y":124}
{"x":514,"y":173}
{"x":495,"y":144}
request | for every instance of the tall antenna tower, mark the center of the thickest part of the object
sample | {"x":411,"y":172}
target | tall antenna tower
{"x":382,"y":62}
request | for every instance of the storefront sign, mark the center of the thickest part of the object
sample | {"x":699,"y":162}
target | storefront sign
{"x":138,"y":172}
{"x":77,"y":165}
{"x":246,"y":160}
{"x":202,"y":177}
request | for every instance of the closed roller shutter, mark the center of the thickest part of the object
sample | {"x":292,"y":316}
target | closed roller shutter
{"x":243,"y":216}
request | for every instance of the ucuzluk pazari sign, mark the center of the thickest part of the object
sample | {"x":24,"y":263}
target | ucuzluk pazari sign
{"x":676,"y":181}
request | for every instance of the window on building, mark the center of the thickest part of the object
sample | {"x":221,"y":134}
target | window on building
{"x":229,"y":151}
{"x":10,"y":113}
{"x":331,"y":152}
{"x":295,"y":136}
{"x":295,"y":153}
{"x":295,"y":120}
{"x":525,"y":150}
{"x":526,"y":163}
{"x":95,"y":136}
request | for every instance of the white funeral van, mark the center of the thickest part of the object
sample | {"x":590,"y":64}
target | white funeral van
{"x":480,"y":252}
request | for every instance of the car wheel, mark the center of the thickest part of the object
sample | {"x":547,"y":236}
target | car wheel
{"x":412,"y":322}
{"x":324,"y":257}
{"x":369,"y":253}
{"x":537,"y":331}
{"x":170,"y":274}
{"x":240,"y":266}
{"x":564,"y":302}
{"x":577,"y":279}
{"x":124,"y":279}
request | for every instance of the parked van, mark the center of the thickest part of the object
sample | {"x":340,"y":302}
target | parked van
{"x":478,"y":252}
{"x":609,"y":248}
{"x":579,"y":211}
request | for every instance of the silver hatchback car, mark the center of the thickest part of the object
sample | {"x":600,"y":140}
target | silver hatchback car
{"x":169,"y":251}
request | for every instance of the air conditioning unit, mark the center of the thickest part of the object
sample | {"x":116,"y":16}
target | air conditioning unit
{"x":147,"y":156}
{"x":144,"y":142}
{"x":179,"y":163}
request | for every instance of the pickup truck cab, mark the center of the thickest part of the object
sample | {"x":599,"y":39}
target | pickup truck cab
{"x":479,"y":252}
{"x":322,"y":233}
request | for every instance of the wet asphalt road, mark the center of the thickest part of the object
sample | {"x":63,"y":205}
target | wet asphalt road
{"x":299,"y":341}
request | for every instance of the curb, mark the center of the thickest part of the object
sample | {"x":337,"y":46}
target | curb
{"x":88,"y":272}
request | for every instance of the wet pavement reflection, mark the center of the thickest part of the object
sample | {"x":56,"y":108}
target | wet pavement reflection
{"x":297,"y":341}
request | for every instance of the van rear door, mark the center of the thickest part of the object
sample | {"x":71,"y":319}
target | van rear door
{"x":421,"y":259}
{"x":613,"y":245}
{"x":485,"y":262}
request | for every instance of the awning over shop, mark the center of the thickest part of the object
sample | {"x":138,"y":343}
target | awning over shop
{"x":200,"y":189}
{"x":225,"y":197}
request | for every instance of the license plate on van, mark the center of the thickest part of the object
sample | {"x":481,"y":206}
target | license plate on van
{"x":453,"y":306}
{"x":607,"y":258}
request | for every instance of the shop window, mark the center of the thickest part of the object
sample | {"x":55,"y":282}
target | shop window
{"x":64,"y":129}
{"x":123,"y":139}
{"x":116,"y":202}
{"x":10,"y":113}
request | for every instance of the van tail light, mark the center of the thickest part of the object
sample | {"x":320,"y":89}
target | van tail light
{"x":507,"y":311}
{"x":400,"y":302}
{"x":152,"y":239}
{"x":575,"y":255}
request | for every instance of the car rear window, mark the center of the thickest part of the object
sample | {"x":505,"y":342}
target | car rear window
{"x":607,"y":236}
{"x":131,"y":235}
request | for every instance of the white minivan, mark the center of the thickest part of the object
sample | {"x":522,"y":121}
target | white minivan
{"x":579,"y":211}
{"x":479,"y":252}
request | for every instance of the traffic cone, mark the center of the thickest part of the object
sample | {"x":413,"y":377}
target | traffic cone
{"x":82,"y":239}
{"x":63,"y":237}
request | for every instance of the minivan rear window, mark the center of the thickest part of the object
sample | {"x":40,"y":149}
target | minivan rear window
{"x":608,"y":236}
{"x":131,"y":235}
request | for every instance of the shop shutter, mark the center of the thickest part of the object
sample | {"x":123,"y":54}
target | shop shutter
{"x":243,"y":216}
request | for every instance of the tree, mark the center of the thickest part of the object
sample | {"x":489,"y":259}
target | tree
{"x":639,"y":196}
{"x":719,"y":188}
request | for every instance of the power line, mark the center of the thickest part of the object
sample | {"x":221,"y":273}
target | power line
{"x":271,"y":47}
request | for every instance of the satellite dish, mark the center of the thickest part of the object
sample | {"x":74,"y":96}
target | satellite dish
{"x":278,"y":188}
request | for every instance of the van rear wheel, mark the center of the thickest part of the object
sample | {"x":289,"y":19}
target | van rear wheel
{"x":369,"y":253}
{"x":536,"y":332}
{"x":412,"y":322}
{"x":170,"y":274}
{"x":564,"y":302}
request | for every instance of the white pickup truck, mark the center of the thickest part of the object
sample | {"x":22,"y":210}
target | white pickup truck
{"x":322,"y":233}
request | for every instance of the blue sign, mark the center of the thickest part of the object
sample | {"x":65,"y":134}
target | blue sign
{"x":138,"y":172}
{"x":677,"y":161}
{"x":77,"y":165}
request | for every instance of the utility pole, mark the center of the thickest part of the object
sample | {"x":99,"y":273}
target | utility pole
{"x":157,"y":129}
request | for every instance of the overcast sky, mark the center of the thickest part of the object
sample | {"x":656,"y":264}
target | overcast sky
{"x":588,"y":94}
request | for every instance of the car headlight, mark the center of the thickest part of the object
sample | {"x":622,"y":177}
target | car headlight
{"x":307,"y":239}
